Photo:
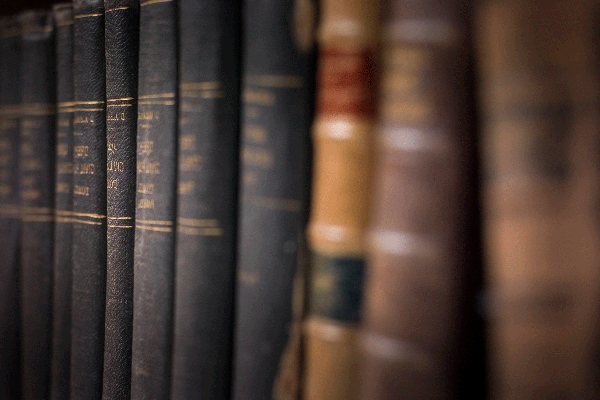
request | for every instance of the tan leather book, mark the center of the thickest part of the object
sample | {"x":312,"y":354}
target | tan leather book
{"x":421,"y":239}
{"x":342,"y":134}
{"x":540,"y":96}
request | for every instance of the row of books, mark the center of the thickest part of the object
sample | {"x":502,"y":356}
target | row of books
{"x":272,"y":199}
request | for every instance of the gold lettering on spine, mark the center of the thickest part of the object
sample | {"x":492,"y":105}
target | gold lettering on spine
{"x":146,"y":188}
{"x":83,"y":119}
{"x":146,"y":203}
{"x":81,"y":190}
{"x":117,"y":166}
{"x":185,"y":187}
{"x":145,"y":147}
{"x":80,"y":151}
{"x":62,"y":187}
{"x":114,"y":116}
{"x":148,"y":167}
{"x":84,"y":169}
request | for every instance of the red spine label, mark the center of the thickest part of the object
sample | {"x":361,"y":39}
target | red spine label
{"x":346,"y":83}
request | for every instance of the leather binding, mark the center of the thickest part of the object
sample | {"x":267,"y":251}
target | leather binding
{"x":154,"y":255}
{"x":342,"y":137}
{"x":36,"y":189}
{"x":418,"y":303}
{"x":206,"y":198}
{"x":540,"y":99}
{"x":63,"y":205}
{"x":274,"y":171}
{"x":89,"y":201}
{"x":10,"y":58}
{"x":122,"y":48}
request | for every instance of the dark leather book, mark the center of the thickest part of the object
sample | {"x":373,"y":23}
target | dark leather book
{"x":154,"y":255}
{"x":206,"y":198}
{"x":36,"y":188}
{"x":122,"y":48}
{"x":63,"y":205}
{"x":341,"y":190}
{"x":89,"y":201}
{"x":540,"y":96}
{"x":418,"y":304}
{"x":274,"y":169}
{"x":10,"y":59}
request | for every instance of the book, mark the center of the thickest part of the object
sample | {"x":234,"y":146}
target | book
{"x":539,"y":97}
{"x":419,"y":303}
{"x":89,"y":201}
{"x":273,"y":205}
{"x":341,"y":190}
{"x":36,"y":189}
{"x":122,"y":52}
{"x":63,"y":205}
{"x":154,"y":255}
{"x":10,"y":354}
{"x":209,"y":58}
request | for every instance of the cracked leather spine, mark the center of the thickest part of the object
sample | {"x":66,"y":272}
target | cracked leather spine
{"x":154,"y":255}
{"x":10,"y":53}
{"x":122,"y":48}
{"x":36,"y":163}
{"x":274,"y":170}
{"x":63,"y":205}
{"x":206,"y":198}
{"x":89,"y":201}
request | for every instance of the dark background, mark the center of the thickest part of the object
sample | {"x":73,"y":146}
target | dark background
{"x":8,"y":7}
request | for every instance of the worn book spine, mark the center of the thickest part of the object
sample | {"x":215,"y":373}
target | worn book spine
{"x":275,"y":125}
{"x":341,"y":189}
{"x":122,"y":48}
{"x":154,"y":255}
{"x":10,"y":59}
{"x":540,"y":87}
{"x":36,"y":189}
{"x":63,"y":205}
{"x":420,"y":239}
{"x":89,"y":201}
{"x":206,"y":198}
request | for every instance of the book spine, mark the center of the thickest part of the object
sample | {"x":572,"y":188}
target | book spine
{"x":36,"y":164}
{"x":418,"y":249}
{"x":89,"y":201}
{"x":122,"y":48}
{"x":274,"y":170}
{"x":342,"y":136}
{"x":206,"y":198}
{"x":10,"y":58}
{"x":154,"y":255}
{"x":63,"y":205}
{"x":540,"y":97}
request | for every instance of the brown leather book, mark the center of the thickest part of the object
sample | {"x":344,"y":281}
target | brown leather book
{"x":540,"y":94}
{"x":342,"y":133}
{"x":417,"y":297}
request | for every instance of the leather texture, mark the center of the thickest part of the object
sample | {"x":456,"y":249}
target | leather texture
{"x":63,"y":204}
{"x":10,"y":58}
{"x":122,"y":48}
{"x":421,"y":255}
{"x":37,"y":132}
{"x":274,"y":171}
{"x":207,"y":198}
{"x":154,"y":255}
{"x":89,"y":201}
